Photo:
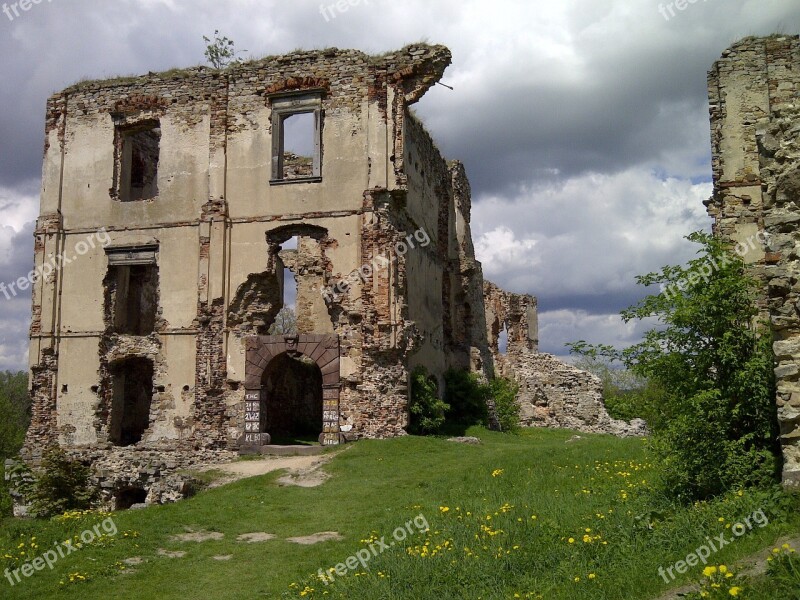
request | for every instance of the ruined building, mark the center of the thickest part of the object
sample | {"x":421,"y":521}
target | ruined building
{"x":754,"y":92}
{"x":182,"y":206}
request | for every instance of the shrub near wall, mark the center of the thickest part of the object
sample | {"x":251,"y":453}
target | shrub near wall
{"x":427,"y":410}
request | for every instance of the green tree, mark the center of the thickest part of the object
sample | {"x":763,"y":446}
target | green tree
{"x":63,"y":484}
{"x":426,"y":409}
{"x":14,"y":411}
{"x":714,"y":362}
{"x":466,"y":395}
{"x":220,"y":51}
{"x":285,"y":322}
{"x":504,"y":392}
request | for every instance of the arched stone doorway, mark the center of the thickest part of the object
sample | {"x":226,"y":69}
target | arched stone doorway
{"x":263,"y":373}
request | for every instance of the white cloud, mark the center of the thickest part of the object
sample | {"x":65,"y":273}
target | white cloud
{"x":18,"y":207}
{"x":590,"y":235}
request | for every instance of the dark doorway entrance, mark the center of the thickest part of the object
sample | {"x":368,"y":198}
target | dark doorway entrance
{"x":292,"y":397}
{"x":127,"y":497}
{"x":132,"y":388}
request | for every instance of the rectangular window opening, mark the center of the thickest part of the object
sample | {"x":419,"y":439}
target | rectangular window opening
{"x":138,"y":150}
{"x":298,"y":146}
{"x":296,"y":139}
{"x":132,"y":290}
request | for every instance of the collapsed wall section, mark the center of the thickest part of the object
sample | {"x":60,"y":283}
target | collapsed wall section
{"x":551,"y":392}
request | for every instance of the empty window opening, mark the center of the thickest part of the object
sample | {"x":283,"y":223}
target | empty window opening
{"x":126,"y":498}
{"x":291,"y":243}
{"x":296,"y":138}
{"x":289,"y":289}
{"x":290,"y":270}
{"x":137,"y":163}
{"x":502,"y":340}
{"x":298,"y":146}
{"x":134,"y":298}
{"x":286,"y":319}
{"x":132,"y":396}
{"x":292,"y":400}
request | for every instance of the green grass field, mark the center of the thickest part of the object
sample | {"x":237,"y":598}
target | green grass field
{"x":520,"y":516}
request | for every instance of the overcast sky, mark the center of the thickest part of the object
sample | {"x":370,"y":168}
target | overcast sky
{"x":583,"y":124}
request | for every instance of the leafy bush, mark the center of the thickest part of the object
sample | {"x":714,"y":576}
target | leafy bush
{"x":427,"y":410}
{"x":464,"y":404}
{"x":62,"y":485}
{"x":504,"y":392}
{"x":466,"y":396}
{"x":6,"y":505}
{"x":719,"y":427}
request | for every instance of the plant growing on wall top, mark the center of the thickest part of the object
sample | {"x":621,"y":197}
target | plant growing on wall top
{"x":221,"y":51}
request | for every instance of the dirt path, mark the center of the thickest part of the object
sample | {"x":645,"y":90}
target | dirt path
{"x":751,"y":566}
{"x":301,"y":470}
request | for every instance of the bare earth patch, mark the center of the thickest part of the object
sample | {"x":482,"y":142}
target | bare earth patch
{"x":198,"y":536}
{"x":171,"y":553}
{"x":133,"y":561}
{"x":306,"y":478}
{"x":258,"y":536}
{"x":301,"y":470}
{"x":223,"y":557}
{"x":316,"y":538}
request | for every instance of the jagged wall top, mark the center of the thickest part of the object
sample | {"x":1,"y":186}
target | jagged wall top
{"x":416,"y":67}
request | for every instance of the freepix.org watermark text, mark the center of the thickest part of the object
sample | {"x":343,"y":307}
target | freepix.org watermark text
{"x":713,"y":545}
{"x":55,"y":263}
{"x":381,"y":262}
{"x":61,"y":550}
{"x":418,"y":524}
{"x":12,"y":11}
{"x":710,"y":266}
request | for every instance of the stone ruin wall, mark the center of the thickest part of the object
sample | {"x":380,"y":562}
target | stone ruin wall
{"x":552,"y":393}
{"x":429,"y":307}
{"x":216,"y":118}
{"x":754,"y":95}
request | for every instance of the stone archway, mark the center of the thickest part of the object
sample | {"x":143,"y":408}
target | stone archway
{"x":261,"y":350}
